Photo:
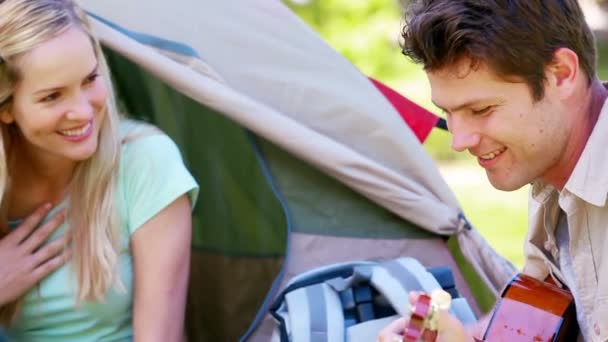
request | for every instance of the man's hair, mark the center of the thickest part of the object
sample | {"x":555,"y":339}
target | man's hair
{"x":512,"y":37}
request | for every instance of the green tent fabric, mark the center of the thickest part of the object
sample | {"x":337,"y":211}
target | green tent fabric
{"x":258,"y":195}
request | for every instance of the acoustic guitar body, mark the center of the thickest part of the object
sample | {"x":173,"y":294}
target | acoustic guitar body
{"x":533,"y":310}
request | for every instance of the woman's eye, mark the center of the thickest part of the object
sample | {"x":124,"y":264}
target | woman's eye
{"x":51,"y":97}
{"x":91,"y":78}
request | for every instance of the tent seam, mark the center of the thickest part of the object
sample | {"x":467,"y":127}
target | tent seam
{"x":147,"y":39}
{"x":277,"y":281}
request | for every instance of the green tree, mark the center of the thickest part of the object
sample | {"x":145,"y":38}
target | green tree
{"x":365,"y":32}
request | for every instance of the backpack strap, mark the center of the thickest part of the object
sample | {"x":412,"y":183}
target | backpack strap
{"x":396,"y":278}
{"x":351,"y":301}
{"x":311,"y":308}
{"x":315,"y":314}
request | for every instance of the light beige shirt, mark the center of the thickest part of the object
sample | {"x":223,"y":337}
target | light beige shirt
{"x":583,"y":200}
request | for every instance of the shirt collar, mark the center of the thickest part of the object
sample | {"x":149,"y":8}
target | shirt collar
{"x":541,"y":191}
{"x":589,"y":179}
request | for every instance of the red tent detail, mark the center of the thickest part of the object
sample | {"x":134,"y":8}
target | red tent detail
{"x":420,"y":120}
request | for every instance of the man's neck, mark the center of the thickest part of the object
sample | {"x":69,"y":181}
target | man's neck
{"x":588,"y":107}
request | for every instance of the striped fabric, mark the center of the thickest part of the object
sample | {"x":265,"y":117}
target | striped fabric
{"x":314,"y":306}
{"x":320,"y":317}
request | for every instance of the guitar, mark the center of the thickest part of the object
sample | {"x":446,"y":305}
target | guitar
{"x":529,"y":310}
{"x":532,"y":310}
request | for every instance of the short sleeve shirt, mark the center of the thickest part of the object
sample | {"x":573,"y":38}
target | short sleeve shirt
{"x":152,"y":175}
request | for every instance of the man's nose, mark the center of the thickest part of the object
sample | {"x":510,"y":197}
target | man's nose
{"x":464,"y":135}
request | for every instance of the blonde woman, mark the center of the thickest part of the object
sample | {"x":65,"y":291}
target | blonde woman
{"x":95,"y":211}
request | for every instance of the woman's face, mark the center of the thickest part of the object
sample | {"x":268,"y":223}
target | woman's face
{"x":58,"y":104}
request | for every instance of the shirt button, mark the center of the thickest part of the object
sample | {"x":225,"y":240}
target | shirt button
{"x":548,"y":245}
{"x":596,"y":328}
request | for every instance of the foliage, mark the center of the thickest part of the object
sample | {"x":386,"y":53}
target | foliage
{"x":365,"y":32}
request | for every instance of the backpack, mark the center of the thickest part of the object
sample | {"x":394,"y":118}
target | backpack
{"x":353,"y":301}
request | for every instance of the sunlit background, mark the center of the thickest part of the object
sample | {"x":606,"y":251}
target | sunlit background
{"x":367,"y":33}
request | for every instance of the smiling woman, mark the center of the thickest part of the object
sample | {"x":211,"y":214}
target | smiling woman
{"x":83,"y":231}
{"x":59,"y":100}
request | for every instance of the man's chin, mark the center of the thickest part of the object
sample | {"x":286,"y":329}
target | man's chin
{"x":506,"y":184}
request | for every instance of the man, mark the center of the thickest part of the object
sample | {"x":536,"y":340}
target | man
{"x":517,"y":82}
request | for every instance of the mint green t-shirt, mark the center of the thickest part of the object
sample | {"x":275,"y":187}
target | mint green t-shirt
{"x":152,"y":175}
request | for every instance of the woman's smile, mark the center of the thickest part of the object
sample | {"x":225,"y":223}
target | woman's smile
{"x":78,"y":134}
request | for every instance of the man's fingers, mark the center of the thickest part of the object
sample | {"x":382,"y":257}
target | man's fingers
{"x":393,"y":331}
{"x":413,"y":296}
{"x":29,"y":224}
{"x":49,"y":266}
{"x":39,"y":236}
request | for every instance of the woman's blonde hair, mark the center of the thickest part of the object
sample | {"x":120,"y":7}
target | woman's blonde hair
{"x":92,"y":212}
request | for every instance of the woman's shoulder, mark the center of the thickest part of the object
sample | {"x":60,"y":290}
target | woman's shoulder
{"x":140,"y":137}
{"x":152,"y":173}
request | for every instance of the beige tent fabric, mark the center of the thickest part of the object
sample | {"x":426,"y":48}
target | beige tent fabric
{"x":285,"y":84}
{"x":311,"y":251}
{"x":263,"y":50}
{"x":402,"y":195}
{"x":491,"y":267}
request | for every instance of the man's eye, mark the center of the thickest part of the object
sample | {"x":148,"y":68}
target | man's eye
{"x":481,"y":111}
{"x":51,"y":97}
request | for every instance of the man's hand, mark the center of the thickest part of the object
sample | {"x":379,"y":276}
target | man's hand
{"x":24,"y":259}
{"x":449,"y":328}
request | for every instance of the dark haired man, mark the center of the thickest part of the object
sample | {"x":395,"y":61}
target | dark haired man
{"x":517,"y":82}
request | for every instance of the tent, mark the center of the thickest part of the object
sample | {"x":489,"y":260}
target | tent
{"x":302,"y":160}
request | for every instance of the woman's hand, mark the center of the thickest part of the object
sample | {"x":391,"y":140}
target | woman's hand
{"x":449,"y":328}
{"x":24,"y":260}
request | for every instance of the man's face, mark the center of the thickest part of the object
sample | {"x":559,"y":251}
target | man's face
{"x":515,"y":138}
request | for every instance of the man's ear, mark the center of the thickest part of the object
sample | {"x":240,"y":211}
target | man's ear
{"x":563,"y":71}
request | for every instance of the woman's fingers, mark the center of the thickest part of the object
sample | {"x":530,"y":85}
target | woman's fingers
{"x":28,"y":225}
{"x":37,"y":238}
{"x":26,"y":255}
{"x":48,"y":251}
{"x":49,"y":266}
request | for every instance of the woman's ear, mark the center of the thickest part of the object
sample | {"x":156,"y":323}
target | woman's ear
{"x":6,"y":117}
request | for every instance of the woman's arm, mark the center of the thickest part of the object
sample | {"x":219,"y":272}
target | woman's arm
{"x":161,"y":254}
